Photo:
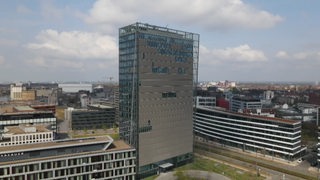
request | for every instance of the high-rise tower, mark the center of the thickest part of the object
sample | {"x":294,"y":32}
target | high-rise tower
{"x":158,"y":69}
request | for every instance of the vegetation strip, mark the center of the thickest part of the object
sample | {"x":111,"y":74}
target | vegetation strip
{"x":198,"y":146}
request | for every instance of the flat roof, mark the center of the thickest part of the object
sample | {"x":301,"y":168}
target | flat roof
{"x":26,"y":112}
{"x":56,"y":144}
{"x":157,"y":28}
{"x":23,"y":108}
{"x":100,"y":106}
{"x":117,"y":146}
{"x":288,"y":121}
{"x":20,"y":129}
{"x":166,"y":165}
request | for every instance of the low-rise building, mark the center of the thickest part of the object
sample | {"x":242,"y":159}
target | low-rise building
{"x":25,"y":134}
{"x":72,"y":159}
{"x":16,"y":91}
{"x":95,"y":118}
{"x":27,"y":116}
{"x":265,"y":135}
{"x":242,"y":102}
{"x":28,"y":95}
{"x":208,"y":102}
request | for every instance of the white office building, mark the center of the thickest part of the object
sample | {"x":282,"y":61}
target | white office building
{"x":265,"y":135}
{"x":98,"y":158}
{"x":208,"y":102}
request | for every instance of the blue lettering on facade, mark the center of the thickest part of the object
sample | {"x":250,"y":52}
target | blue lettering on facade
{"x":159,"y":69}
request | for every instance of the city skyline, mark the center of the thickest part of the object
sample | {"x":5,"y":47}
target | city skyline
{"x":240,"y":40}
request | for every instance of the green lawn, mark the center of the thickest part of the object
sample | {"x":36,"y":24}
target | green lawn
{"x":151,"y":177}
{"x":212,"y":166}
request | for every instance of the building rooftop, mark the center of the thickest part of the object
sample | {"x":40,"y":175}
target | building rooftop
{"x":256,"y":111}
{"x":25,"y":113}
{"x":280,"y":120}
{"x":146,"y":26}
{"x":25,"y":129}
{"x":110,"y":146}
{"x":246,"y":99}
{"x":100,"y":106}
{"x":23,"y":108}
{"x":118,"y":145}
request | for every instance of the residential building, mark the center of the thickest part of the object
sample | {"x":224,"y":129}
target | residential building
{"x":71,"y":159}
{"x":84,"y":100}
{"x":157,"y":77}
{"x":243,"y":102}
{"x":16,"y":91}
{"x":268,"y":95}
{"x":48,"y":95}
{"x":275,"y":137}
{"x":28,"y":95}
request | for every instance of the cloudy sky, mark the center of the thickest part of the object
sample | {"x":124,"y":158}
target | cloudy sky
{"x":241,"y":40}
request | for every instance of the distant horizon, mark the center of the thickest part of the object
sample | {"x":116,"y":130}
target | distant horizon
{"x":199,"y":81}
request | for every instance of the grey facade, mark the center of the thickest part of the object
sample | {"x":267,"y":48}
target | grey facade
{"x":157,"y":74}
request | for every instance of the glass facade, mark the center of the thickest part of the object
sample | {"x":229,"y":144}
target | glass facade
{"x":157,"y":77}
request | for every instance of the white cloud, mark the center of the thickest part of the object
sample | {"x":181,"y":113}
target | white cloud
{"x":55,"y":63}
{"x":213,"y":15}
{"x":73,"y":49}
{"x":110,"y":15}
{"x":75,"y":44}
{"x":242,"y":53}
{"x":282,"y":55}
{"x":303,"y":55}
{"x":2,"y":60}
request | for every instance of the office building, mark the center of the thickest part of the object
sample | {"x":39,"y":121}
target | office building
{"x":208,"y":102}
{"x":95,"y":118}
{"x":157,"y":76}
{"x":72,"y":159}
{"x":26,"y":115}
{"x":275,"y":137}
{"x":242,"y":102}
{"x":25,"y":134}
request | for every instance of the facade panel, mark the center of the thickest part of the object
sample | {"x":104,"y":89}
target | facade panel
{"x":157,"y":74}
